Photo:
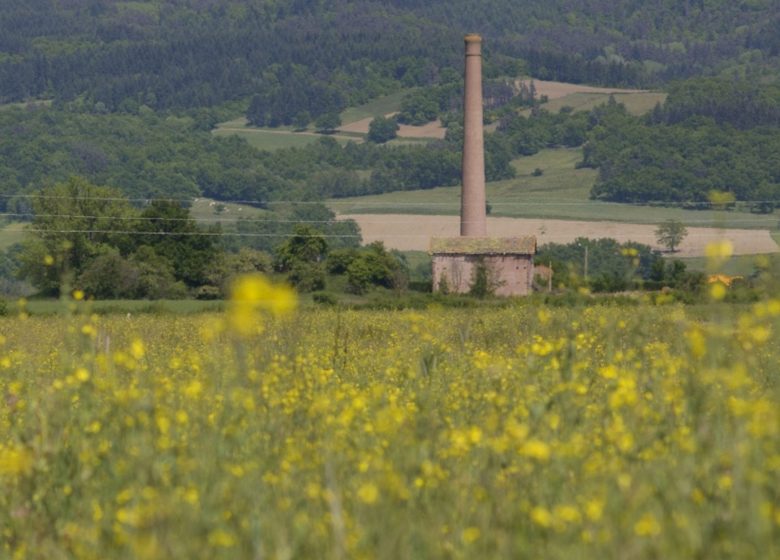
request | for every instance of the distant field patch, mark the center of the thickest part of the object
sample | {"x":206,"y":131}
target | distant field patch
{"x":738,"y":265}
{"x":378,"y":107}
{"x":413,"y":232}
{"x":24,"y":104}
{"x":274,"y":138}
{"x":555,"y":90}
{"x":636,"y":103}
{"x":207,"y":210}
{"x":584,"y":98}
{"x":10,"y":234}
{"x":431,"y":130}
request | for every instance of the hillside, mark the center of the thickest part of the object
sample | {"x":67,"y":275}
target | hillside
{"x":116,"y":55}
{"x":154,"y":97}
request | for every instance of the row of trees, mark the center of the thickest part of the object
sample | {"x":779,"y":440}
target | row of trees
{"x":90,"y":237}
{"x":605,"y":265}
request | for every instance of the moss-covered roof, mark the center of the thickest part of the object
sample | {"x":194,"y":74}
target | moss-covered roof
{"x":483,"y":245}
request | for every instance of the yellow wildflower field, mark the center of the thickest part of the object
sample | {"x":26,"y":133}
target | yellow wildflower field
{"x":520,"y":432}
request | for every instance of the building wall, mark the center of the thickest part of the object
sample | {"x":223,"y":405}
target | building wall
{"x":511,"y":275}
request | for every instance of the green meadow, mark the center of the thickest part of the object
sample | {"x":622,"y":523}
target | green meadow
{"x":561,"y":192}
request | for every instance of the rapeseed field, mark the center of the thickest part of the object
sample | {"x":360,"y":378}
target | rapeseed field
{"x":271,"y":432}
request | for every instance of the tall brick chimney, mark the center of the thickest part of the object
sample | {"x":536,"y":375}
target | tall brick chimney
{"x":473,"y":220}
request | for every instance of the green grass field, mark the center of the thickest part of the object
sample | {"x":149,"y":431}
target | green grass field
{"x":125,"y":306}
{"x":636,"y":103}
{"x":737,"y":265}
{"x":10,"y":234}
{"x":378,"y":107}
{"x":275,"y":138}
{"x":206,"y":210}
{"x":561,"y":192}
{"x":23,"y":104}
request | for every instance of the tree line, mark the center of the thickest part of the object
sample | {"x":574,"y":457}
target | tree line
{"x":710,"y":135}
{"x":298,"y":57}
{"x":88,"y":237}
{"x":151,"y":156}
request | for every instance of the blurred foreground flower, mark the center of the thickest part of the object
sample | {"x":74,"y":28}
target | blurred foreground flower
{"x":718,"y":252}
{"x":15,"y":460}
{"x":253,"y":294}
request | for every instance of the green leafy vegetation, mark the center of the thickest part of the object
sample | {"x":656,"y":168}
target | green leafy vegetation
{"x":708,"y":136}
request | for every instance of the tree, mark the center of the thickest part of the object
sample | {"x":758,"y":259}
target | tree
{"x":327,"y":123}
{"x":74,"y":222}
{"x":169,"y":229}
{"x":302,"y":120}
{"x":375,"y":266}
{"x":256,"y":113}
{"x":670,"y":234}
{"x":382,"y":130}
{"x":306,"y":245}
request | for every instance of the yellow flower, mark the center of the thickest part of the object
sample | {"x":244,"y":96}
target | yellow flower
{"x":193,"y":389}
{"x":541,"y":516}
{"x":536,"y":449}
{"x":594,"y":509}
{"x":470,"y":534}
{"x":718,"y":252}
{"x":221,"y":538}
{"x":15,"y":460}
{"x":721,"y":197}
{"x":253,"y":293}
{"x":567,"y":514}
{"x":717,"y":291}
{"x":647,"y":526}
{"x":137,"y":349}
{"x":368,"y":493}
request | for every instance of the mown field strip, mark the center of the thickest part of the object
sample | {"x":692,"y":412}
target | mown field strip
{"x":408,"y":232}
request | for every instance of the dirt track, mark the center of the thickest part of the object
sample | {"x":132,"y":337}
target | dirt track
{"x":409,"y":232}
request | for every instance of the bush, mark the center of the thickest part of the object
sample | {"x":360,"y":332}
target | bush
{"x":208,"y":292}
{"x":324,"y":298}
{"x":374,"y":266}
{"x":382,"y":130}
{"x":340,"y":259}
{"x":307,"y":277}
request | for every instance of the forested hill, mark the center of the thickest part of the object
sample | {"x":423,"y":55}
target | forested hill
{"x":325,"y":55}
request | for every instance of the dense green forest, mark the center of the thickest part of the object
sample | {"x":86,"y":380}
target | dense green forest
{"x":710,"y":135}
{"x":322,"y":56}
{"x":153,"y":156}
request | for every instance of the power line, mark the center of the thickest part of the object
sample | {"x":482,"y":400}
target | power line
{"x":159,"y":219}
{"x":714,"y":235}
{"x":652,"y":203}
{"x":218,"y":220}
{"x":189,"y":233}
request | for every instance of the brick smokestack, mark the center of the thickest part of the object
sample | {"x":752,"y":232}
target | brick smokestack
{"x":473,"y":220}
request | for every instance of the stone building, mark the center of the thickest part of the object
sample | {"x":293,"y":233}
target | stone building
{"x":506,"y":262}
